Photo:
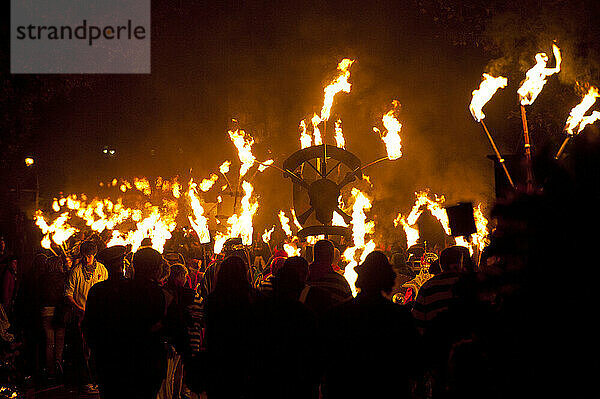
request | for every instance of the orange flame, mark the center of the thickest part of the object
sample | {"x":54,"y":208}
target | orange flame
{"x":535,"y":78}
{"x":339,"y":84}
{"x":199,"y":222}
{"x":206,"y":184}
{"x":266,"y":237}
{"x":577,"y":116}
{"x":305,"y":139}
{"x":243,"y":142}
{"x":316,"y":132}
{"x":487,"y":88}
{"x":285,"y":223}
{"x":392,"y":140}
{"x":339,"y":135}
{"x":224,"y":168}
{"x":360,"y":228}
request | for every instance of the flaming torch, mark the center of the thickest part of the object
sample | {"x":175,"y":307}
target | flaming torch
{"x":577,"y":117}
{"x":481,"y":96}
{"x":534,"y":82}
{"x":393,"y":143}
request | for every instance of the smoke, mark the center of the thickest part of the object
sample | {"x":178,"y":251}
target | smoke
{"x":521,"y":30}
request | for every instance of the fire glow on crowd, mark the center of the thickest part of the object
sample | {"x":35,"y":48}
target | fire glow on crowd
{"x":155,"y":209}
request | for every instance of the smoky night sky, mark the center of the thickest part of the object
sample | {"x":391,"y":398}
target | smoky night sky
{"x":266,"y":63}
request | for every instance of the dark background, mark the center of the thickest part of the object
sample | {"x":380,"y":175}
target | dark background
{"x":265,"y":63}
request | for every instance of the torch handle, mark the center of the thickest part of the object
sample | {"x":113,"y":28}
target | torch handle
{"x":527,"y":146}
{"x":562,"y":147}
{"x":498,"y":156}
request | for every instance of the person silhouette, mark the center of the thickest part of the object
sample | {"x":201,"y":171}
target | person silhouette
{"x":370,"y":343}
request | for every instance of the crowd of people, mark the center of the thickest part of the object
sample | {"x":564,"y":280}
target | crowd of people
{"x":512,"y":323}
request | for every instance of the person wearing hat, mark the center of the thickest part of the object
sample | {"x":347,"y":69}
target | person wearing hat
{"x":84,"y":275}
{"x":375,"y":336}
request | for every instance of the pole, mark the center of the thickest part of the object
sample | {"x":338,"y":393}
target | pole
{"x":527,"y":151}
{"x":498,"y":156}
{"x":563,"y":146}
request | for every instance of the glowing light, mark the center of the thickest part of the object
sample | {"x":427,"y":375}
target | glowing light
{"x":339,"y":135}
{"x":339,"y":84}
{"x":207,"y":184}
{"x":392,"y":140}
{"x":305,"y":139}
{"x":360,"y":227}
{"x":243,"y":142}
{"x":577,"y":116}
{"x":285,"y":223}
{"x":487,"y":89}
{"x":316,"y":132}
{"x":535,"y":78}
{"x":199,"y":222}
{"x":266,"y":237}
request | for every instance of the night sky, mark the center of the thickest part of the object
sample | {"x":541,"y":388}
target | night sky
{"x":266,"y":63}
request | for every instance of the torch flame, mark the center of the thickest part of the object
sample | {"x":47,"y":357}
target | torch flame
{"x":392,"y":140}
{"x":199,"y":221}
{"x":285,"y":223}
{"x":224,"y":168}
{"x":316,"y":132}
{"x":360,"y":227}
{"x":266,"y":237}
{"x":243,"y":142}
{"x":487,"y":88}
{"x":535,"y":78}
{"x":339,"y":84}
{"x":577,"y":116}
{"x":206,"y":184}
{"x":305,"y":139}
{"x":339,"y":135}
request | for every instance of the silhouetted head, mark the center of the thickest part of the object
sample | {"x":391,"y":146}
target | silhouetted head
{"x":178,"y":275}
{"x":323,"y":252}
{"x":148,"y":264}
{"x":375,"y":274}
{"x":113,"y":259}
{"x":233,"y":276}
{"x":456,"y":259}
{"x":291,"y":278}
{"x":55,"y":265}
{"x":39,"y":263}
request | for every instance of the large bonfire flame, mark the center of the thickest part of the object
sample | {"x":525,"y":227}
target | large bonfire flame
{"x":535,"y":78}
{"x":488,"y":87}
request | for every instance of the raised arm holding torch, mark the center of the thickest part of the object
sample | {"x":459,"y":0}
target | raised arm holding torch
{"x":481,"y":96}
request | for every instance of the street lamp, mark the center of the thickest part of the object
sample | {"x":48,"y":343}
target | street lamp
{"x":29,"y":163}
